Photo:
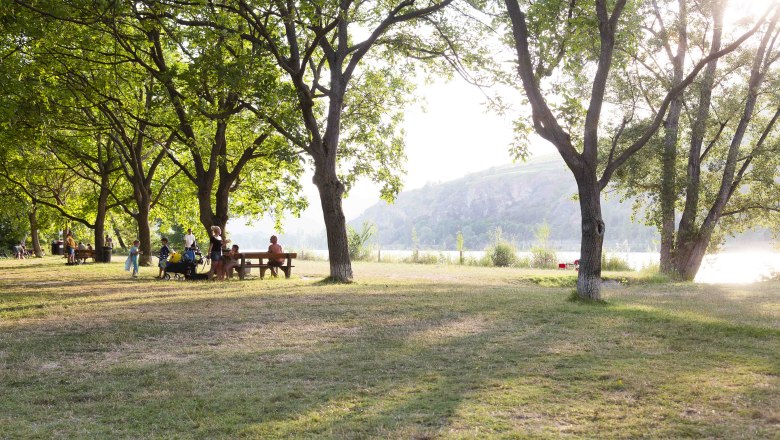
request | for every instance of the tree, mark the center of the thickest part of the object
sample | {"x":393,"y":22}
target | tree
{"x":734,"y":106}
{"x":90,"y":128}
{"x":210,"y":79}
{"x":560,"y":35}
{"x":190,"y":107}
{"x":342,"y":102}
{"x":459,"y":246}
{"x":542,"y":254}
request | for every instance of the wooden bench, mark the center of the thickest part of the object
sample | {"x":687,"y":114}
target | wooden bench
{"x":245,"y":265}
{"x":82,"y":254}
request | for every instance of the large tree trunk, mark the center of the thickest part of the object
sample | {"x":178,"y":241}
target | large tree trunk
{"x":669,"y":156}
{"x":694,"y":245}
{"x":144,"y":236}
{"x":221,"y":205}
{"x":687,"y":229}
{"x":100,"y":218}
{"x":36,"y":241}
{"x":331,"y":192}
{"x":669,"y":185}
{"x":689,"y":255}
{"x":589,"y":277}
{"x":205,"y":213}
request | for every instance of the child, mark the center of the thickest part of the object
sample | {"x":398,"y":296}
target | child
{"x":164,"y":251}
{"x":232,"y":261}
{"x":132,"y":258}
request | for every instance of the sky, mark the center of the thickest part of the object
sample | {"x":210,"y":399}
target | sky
{"x":449,"y":133}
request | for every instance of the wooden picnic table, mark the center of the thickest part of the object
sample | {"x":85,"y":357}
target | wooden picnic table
{"x":246,"y":257}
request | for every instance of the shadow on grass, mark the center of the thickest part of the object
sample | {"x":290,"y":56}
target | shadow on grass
{"x":356,"y":360}
{"x":411,"y":361}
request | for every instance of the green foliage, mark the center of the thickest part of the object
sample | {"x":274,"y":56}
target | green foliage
{"x":662,"y":181}
{"x":502,"y":253}
{"x":357,"y":241}
{"x":542,"y":256}
{"x":12,"y":228}
{"x":426,"y":258}
{"x":459,"y":246}
{"x":652,"y":275}
{"x":614,"y":263}
{"x":415,"y":245}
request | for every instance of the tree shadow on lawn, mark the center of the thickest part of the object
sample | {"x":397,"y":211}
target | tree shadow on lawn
{"x":757,"y":304}
{"x":394,"y":367}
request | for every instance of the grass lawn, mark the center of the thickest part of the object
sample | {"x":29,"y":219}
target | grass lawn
{"x":407,"y":352}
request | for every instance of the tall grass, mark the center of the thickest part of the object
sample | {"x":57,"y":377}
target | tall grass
{"x":614,"y":263}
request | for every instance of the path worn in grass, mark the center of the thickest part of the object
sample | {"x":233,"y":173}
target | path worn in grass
{"x":406,"y":352}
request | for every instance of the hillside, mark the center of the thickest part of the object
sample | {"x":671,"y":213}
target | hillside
{"x":517,"y":198}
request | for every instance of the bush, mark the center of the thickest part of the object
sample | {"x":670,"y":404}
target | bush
{"x":614,"y":263}
{"x":357,"y":242}
{"x":503,"y":255}
{"x":423,"y":258}
{"x":428,"y":259}
{"x":652,"y":275}
{"x":543,"y":258}
{"x":523,"y":262}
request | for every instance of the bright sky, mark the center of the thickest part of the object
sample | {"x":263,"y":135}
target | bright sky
{"x":453,"y":135}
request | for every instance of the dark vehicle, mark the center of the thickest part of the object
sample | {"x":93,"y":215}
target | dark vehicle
{"x":187,"y":268}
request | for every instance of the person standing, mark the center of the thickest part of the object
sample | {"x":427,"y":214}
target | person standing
{"x":189,"y":239}
{"x":164,"y":252}
{"x":132,"y":258}
{"x":70,"y":247}
{"x":19,"y":250}
{"x":215,"y":253}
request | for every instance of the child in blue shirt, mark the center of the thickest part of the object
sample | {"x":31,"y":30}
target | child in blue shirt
{"x":132,"y":258}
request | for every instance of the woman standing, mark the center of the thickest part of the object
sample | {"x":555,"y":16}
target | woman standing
{"x":215,"y":253}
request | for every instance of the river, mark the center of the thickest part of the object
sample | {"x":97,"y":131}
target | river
{"x":726,"y":267}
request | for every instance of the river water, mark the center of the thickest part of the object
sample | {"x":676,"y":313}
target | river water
{"x":726,"y":267}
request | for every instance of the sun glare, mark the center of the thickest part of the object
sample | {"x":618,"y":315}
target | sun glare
{"x":746,"y":12}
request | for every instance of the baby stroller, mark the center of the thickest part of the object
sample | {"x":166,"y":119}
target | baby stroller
{"x":186,"y":268}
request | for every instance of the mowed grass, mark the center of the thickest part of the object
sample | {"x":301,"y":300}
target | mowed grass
{"x":407,"y":351}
